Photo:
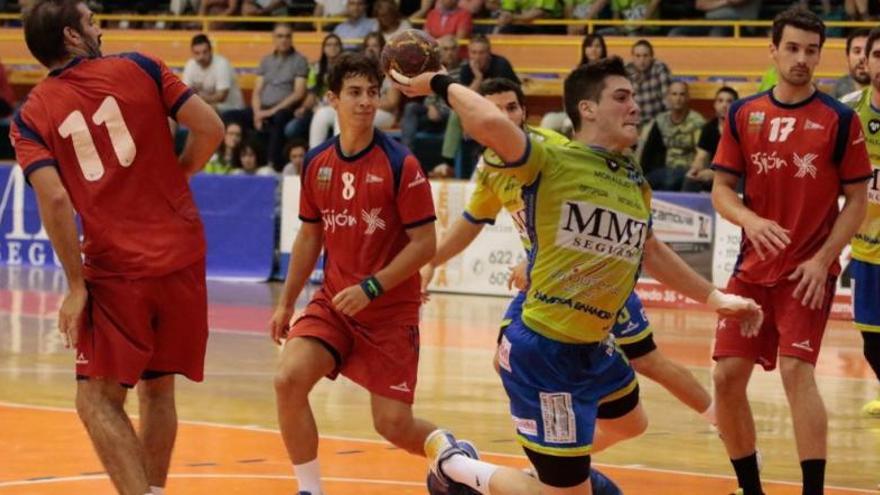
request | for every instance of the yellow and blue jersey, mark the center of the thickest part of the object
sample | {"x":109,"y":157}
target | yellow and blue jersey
{"x":866,"y":243}
{"x":495,"y":190}
{"x":587,"y":215}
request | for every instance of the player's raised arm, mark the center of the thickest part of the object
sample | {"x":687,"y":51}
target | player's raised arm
{"x":480,"y":118}
{"x":205,"y":133}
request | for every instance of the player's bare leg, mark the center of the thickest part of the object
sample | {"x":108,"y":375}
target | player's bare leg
{"x":100,"y":406}
{"x":735,"y":421}
{"x":394,"y":420}
{"x":612,"y":431}
{"x":157,"y":426}
{"x":675,"y":378}
{"x":304,"y":361}
{"x":809,"y":418}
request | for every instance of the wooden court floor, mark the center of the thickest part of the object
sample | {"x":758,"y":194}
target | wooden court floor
{"x":228,"y":441}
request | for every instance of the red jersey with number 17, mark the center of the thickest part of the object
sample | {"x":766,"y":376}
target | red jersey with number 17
{"x":366,"y":203}
{"x":794,"y":160}
{"x":103,"y":123}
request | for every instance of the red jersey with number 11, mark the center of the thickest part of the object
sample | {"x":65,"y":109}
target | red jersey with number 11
{"x":794,"y":160}
{"x":103,"y":123}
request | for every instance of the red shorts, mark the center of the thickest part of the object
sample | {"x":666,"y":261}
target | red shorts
{"x":789,"y":329}
{"x":140,"y":328}
{"x":383,"y":360}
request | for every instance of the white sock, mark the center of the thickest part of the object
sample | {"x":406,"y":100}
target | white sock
{"x":157,"y":490}
{"x":709,"y":414}
{"x":471,"y":472}
{"x":309,"y":477}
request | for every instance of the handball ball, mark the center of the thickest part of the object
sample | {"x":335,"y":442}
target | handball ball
{"x":411,"y":52}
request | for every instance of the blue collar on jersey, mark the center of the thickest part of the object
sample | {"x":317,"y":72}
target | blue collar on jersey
{"x":791,"y":106}
{"x":72,"y":63}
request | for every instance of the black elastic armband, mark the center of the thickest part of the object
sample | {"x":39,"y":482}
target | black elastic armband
{"x":440,"y":86}
{"x":372,"y":288}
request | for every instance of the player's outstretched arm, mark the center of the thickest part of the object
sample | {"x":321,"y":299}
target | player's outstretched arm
{"x":768,"y":237}
{"x":58,"y":216}
{"x":480,"y":118}
{"x":667,"y":267}
{"x":205,"y":133}
{"x":304,"y":253}
{"x":459,"y":236}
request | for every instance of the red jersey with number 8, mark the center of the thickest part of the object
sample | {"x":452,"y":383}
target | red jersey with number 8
{"x":366,"y":202}
{"x":103,"y":123}
{"x":794,"y":160}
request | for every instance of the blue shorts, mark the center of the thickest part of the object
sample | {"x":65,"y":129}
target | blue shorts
{"x":632,"y":330}
{"x":866,"y":295}
{"x":556,"y":389}
{"x":514,"y":309}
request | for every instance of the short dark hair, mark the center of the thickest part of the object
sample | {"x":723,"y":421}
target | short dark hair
{"x":352,"y":64}
{"x":801,"y":18}
{"x":729,"y":90}
{"x":200,"y":39}
{"x":44,"y":24}
{"x":873,"y":36}
{"x":481,"y":38}
{"x":643,"y":42}
{"x":497,"y":85}
{"x":587,"y":82}
{"x":856,"y":33}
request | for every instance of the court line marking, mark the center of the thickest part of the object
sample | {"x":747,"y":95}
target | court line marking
{"x":332,"y":479}
{"x":261,"y":429}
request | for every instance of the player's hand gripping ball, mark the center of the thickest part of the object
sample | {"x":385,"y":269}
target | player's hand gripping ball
{"x":410,"y":53}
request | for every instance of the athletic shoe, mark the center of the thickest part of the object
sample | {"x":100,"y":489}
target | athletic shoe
{"x":872,"y":408}
{"x":602,"y":485}
{"x":438,"y":482}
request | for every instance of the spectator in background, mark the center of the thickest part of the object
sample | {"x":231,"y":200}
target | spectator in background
{"x":316,"y":107}
{"x":668,"y":144}
{"x":388,"y":16}
{"x":858,"y":76}
{"x":593,"y":48}
{"x":483,"y":64}
{"x":264,"y":7}
{"x":720,"y":10}
{"x":632,"y":10}
{"x":357,"y":26}
{"x":279,"y":90}
{"x":447,"y":18}
{"x":582,"y":9}
{"x":858,"y":10}
{"x":226,"y":156}
{"x":211,"y":76}
{"x":650,"y":78}
{"x":296,"y":156}
{"x":430,"y":113}
{"x":328,"y":8}
{"x":700,"y":175}
{"x":7,"y":96}
{"x":517,"y":16}
{"x":389,"y":96}
{"x":251,"y":161}
{"x":180,"y":7}
{"x":223,"y":8}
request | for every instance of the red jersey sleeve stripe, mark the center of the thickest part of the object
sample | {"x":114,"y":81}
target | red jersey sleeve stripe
{"x":857,"y":179}
{"x":722,"y":168}
{"x":26,"y":132}
{"x":37,"y":165}
{"x":419,"y":223}
{"x":179,"y":103}
{"x":309,"y":220}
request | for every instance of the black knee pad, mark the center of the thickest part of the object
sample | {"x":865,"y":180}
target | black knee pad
{"x":560,"y":472}
{"x":872,"y":350}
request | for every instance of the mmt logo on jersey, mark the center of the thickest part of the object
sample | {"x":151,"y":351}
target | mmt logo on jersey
{"x":596,"y":230}
{"x":24,"y":240}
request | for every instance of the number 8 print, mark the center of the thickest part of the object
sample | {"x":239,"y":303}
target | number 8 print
{"x":75,"y":127}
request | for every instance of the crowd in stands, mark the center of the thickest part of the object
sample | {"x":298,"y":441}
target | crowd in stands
{"x":288,"y":111}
